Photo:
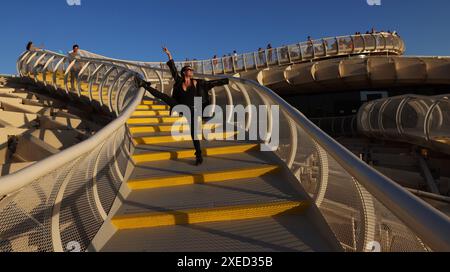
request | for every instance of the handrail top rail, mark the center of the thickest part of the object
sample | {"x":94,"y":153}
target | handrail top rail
{"x":399,"y":50}
{"x":313,"y":41}
{"x":101,"y":60}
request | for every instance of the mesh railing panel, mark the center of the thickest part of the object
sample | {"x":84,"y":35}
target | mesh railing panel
{"x":358,"y":220}
{"x":26,"y":216}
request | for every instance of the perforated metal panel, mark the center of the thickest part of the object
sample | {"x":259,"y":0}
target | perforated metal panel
{"x":25,"y":223}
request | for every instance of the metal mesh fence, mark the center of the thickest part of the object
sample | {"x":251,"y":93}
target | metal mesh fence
{"x":359,"y":221}
{"x":63,"y":209}
{"x":26,"y":216}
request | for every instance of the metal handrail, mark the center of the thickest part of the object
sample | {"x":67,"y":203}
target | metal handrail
{"x":429,"y":224}
{"x":395,"y":47}
{"x":15,"y":181}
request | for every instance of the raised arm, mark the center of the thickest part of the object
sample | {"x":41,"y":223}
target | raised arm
{"x":171,"y":64}
{"x":208,"y":85}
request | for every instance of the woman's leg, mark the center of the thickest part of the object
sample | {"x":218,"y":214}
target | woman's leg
{"x":164,"y":97}
{"x":197,"y":146}
{"x":172,"y":103}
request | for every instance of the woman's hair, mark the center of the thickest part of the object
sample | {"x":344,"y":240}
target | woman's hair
{"x":184,"y":69}
{"x":29,"y":44}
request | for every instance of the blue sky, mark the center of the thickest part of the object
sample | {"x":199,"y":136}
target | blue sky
{"x":136,"y":29}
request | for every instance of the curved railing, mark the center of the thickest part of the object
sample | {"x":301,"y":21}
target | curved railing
{"x":422,"y":120}
{"x":59,"y":203}
{"x":70,"y":194}
{"x":376,"y":43}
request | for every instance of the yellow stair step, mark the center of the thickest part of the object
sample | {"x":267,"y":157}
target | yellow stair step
{"x":201,"y":178}
{"x":155,"y":120}
{"x":196,"y":216}
{"x":166,"y":128}
{"x":182,"y":138}
{"x":148,"y":102}
{"x":85,"y":86}
{"x":183,"y":154}
{"x":151,"y":113}
{"x":153,"y":107}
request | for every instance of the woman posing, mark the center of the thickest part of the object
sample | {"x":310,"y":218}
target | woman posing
{"x":185,"y":90}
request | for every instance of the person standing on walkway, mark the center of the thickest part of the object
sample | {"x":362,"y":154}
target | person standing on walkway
{"x":235,"y":58}
{"x":310,"y":48}
{"x":215,"y":62}
{"x":185,"y":89}
{"x":261,"y":57}
{"x":75,"y":55}
{"x":230,"y":62}
{"x":31,"y":47}
{"x":269,"y":53}
{"x":225,"y":62}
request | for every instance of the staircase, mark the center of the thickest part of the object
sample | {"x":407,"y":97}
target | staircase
{"x":240,"y":199}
